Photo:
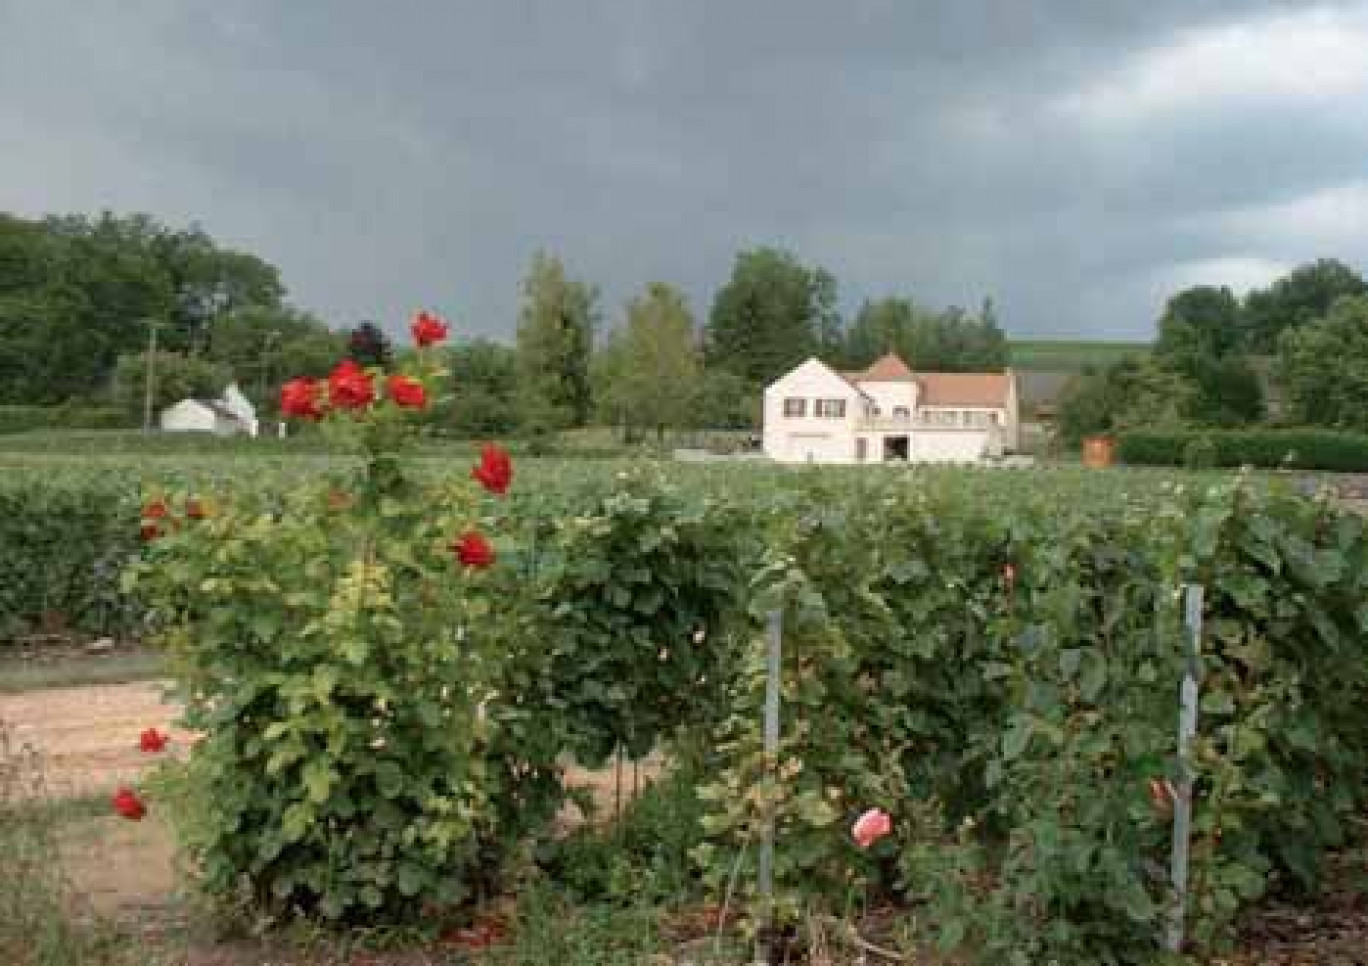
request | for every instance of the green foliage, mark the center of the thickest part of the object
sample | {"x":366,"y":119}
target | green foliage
{"x":1070,"y":355}
{"x":642,"y":856}
{"x":555,"y":334}
{"x":1305,"y":449}
{"x":482,"y":399}
{"x":174,"y":377}
{"x":637,"y":594}
{"x":77,"y":292}
{"x":23,"y":419}
{"x":341,"y":774}
{"x":551,"y":928}
{"x":1202,"y":322}
{"x":1303,"y":296}
{"x":65,"y":542}
{"x":262,"y":345}
{"x":1226,"y":392}
{"x":345,"y":670}
{"x":1132,"y":392}
{"x":1011,"y":720}
{"x":1200,"y":339}
{"x":648,"y":373}
{"x":948,"y":341}
{"x":1323,"y":367}
{"x":1199,"y":453}
{"x":772,"y":313}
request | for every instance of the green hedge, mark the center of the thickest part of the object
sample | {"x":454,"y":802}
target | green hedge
{"x":24,"y":419}
{"x":1304,"y":449}
{"x":63,"y":546}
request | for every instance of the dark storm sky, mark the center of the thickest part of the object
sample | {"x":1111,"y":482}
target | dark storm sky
{"x":1076,"y":160}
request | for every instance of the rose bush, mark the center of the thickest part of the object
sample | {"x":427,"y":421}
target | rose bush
{"x":339,"y":647}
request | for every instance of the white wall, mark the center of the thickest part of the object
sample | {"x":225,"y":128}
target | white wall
{"x":241,"y":407}
{"x":889,"y":395}
{"x":949,"y":445}
{"x":188,"y":416}
{"x":810,"y":438}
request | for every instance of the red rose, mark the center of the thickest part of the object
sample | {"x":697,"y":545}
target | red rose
{"x":152,"y":741}
{"x":350,"y":386}
{"x":495,"y":471}
{"x":473,"y":550}
{"x":299,"y":397}
{"x":127,"y":803}
{"x":428,"y":329}
{"x":194,"y":510}
{"x":149,"y":532}
{"x":156,"y":510}
{"x":406,"y":392}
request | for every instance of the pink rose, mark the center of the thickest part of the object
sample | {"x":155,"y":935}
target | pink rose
{"x":870,"y":827}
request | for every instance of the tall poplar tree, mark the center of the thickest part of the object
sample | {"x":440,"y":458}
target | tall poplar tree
{"x":555,"y":336}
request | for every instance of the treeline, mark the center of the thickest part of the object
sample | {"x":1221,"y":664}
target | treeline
{"x":1304,"y":337}
{"x":79,"y":297}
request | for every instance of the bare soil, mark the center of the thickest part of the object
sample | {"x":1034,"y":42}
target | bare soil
{"x":86,"y":742}
{"x":87,"y":737}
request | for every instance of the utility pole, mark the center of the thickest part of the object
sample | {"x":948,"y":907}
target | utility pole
{"x":271,"y":338}
{"x":151,"y":375}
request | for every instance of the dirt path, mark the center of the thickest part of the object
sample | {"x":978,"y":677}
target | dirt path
{"x":87,"y":737}
{"x":85,"y":741}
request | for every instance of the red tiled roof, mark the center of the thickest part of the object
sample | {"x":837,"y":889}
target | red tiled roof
{"x":989,"y":389}
{"x":889,"y":368}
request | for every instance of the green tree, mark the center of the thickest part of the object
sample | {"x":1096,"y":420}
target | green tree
{"x":770,"y":315}
{"x":1199,"y":323}
{"x":1304,"y":295}
{"x":1201,"y":339}
{"x":209,"y":281}
{"x":555,"y":336}
{"x":175,"y":377}
{"x":1227,"y":392}
{"x":76,"y":292}
{"x":264,"y":345}
{"x":1323,"y":368}
{"x":726,"y":401}
{"x":1128,"y":394}
{"x":482,"y":400}
{"x":947,"y":341}
{"x":650,"y":370}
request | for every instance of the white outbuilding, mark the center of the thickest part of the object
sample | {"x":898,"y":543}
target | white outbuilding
{"x":231,"y":415}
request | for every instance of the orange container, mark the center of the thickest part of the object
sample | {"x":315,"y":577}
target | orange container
{"x":1098,"y":451}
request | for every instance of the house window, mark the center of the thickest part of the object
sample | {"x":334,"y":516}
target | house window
{"x":830,"y":408}
{"x":794,"y":406}
{"x":901,"y":412}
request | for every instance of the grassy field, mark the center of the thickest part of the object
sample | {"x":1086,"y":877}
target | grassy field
{"x":1070,"y":355}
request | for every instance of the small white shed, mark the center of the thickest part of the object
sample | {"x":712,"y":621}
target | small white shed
{"x":232,"y":415}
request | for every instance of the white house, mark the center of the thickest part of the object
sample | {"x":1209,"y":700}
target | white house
{"x":887,"y":413}
{"x":229,"y":416}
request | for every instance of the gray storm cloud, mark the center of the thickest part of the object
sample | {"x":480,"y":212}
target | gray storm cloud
{"x":1075,"y":160}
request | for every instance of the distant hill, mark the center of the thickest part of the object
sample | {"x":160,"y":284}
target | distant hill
{"x":1069,"y":355}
